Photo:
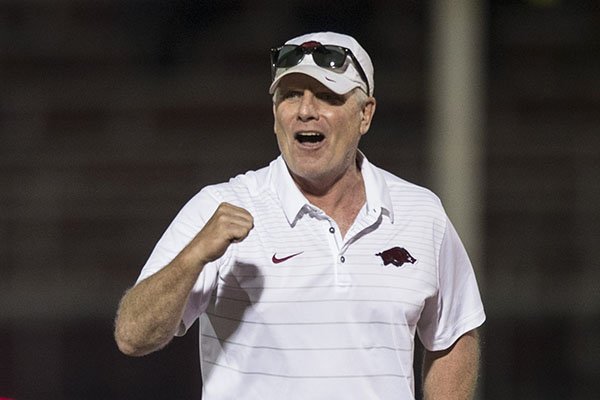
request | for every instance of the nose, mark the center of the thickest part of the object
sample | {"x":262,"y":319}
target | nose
{"x":308,"y":108}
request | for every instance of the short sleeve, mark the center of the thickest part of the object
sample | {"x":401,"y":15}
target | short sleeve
{"x":457,"y":307}
{"x":184,"y":227}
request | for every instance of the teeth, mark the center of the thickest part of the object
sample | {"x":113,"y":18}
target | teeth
{"x":311,"y":137}
{"x":309,"y":134}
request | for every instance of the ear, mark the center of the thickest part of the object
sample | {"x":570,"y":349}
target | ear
{"x":274,"y":117}
{"x":366,"y":115}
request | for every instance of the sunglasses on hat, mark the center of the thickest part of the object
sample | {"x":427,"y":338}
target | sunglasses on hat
{"x":327,"y":56}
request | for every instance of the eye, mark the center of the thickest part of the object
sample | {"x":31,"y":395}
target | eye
{"x":290,"y":94}
{"x":331,"y":98}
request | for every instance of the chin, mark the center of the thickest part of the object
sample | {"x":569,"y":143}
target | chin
{"x":307,"y":172}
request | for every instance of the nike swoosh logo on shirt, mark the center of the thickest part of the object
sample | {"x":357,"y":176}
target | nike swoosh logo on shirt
{"x":280,"y":260}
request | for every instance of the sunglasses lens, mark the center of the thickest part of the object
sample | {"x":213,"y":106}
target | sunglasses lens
{"x":329,"y":57}
{"x":288,"y":56}
{"x":325,"y":56}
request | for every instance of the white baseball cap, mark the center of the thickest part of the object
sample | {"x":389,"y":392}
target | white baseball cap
{"x":339,"y":80}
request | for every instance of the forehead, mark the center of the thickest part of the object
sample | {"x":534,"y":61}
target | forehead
{"x":302,"y":81}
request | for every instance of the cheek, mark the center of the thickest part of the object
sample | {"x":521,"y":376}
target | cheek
{"x":279,"y":123}
{"x":282,"y":140}
{"x":352,"y":127}
{"x":280,"y":133}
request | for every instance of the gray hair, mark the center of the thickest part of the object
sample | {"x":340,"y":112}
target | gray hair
{"x":361,"y":97}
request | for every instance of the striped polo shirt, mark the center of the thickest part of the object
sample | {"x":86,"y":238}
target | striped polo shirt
{"x":296,"y":311}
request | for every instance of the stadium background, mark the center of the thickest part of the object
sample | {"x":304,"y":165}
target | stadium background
{"x":113,"y":113}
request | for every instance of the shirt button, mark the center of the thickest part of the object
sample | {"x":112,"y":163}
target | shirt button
{"x":332,"y":230}
{"x":342,"y":259}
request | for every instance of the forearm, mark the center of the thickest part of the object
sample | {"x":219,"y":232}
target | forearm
{"x":452,"y":374}
{"x":150,"y":313}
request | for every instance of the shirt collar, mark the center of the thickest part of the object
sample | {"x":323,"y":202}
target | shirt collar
{"x":376,"y":189}
{"x":293,"y":201}
{"x":291,"y":198}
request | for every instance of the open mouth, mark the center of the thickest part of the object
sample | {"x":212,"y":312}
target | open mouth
{"x":309,"y":137}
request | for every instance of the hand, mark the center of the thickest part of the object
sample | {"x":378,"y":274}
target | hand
{"x":229,"y":224}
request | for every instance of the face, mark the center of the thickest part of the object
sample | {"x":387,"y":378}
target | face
{"x":317,"y":130}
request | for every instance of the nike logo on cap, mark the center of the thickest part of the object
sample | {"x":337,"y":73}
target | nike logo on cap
{"x":280,"y":260}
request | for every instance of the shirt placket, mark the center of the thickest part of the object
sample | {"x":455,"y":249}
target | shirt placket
{"x":338,"y":245}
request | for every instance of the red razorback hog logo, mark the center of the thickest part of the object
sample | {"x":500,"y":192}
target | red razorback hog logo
{"x":396,"y":256}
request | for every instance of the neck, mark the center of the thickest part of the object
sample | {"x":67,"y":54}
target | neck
{"x":337,"y":194}
{"x":340,"y":198}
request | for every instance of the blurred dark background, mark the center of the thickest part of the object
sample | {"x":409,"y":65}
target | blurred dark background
{"x":114,"y":113}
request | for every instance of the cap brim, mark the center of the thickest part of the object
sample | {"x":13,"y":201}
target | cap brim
{"x":337,"y":83}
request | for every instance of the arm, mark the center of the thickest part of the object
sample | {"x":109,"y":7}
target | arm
{"x":150,"y":312}
{"x":452,"y":374}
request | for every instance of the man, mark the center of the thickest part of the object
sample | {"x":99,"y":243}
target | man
{"x":311,"y":276}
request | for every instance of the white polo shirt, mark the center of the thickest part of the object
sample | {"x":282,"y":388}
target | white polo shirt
{"x":295,"y":311}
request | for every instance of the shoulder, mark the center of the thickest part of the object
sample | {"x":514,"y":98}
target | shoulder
{"x":238,"y":189}
{"x":406,"y":193}
{"x":412,"y":206}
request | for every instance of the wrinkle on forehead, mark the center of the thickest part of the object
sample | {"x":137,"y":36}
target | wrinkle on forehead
{"x":299,"y":80}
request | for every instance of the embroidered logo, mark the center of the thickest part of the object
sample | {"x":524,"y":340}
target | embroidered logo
{"x":396,"y":256}
{"x":280,"y":260}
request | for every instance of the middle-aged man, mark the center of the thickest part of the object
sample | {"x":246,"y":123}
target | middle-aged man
{"x":311,"y":276}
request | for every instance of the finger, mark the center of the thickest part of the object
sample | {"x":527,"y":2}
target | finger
{"x":231,"y":209}
{"x":239,"y":235}
{"x":228,"y":213}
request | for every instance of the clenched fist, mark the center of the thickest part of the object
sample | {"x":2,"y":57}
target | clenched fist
{"x":229,"y":224}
